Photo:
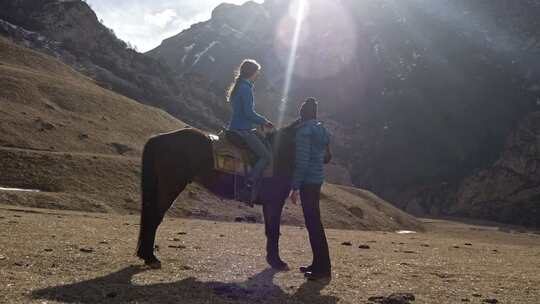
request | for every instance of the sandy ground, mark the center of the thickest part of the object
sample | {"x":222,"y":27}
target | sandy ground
{"x":49,"y":256}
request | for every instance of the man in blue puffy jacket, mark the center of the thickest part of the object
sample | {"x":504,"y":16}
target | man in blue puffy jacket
{"x":312,"y":142}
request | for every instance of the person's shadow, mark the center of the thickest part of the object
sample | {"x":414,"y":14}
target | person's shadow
{"x":117,"y":287}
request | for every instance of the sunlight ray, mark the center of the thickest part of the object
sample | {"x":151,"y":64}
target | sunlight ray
{"x":299,"y":16}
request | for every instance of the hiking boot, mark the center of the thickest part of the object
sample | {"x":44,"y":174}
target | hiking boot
{"x":304,"y":269}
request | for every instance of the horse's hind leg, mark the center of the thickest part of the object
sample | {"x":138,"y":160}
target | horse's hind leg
{"x":166,"y":194}
{"x":272,"y":221}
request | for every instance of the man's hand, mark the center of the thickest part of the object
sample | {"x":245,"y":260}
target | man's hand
{"x":294,"y":196}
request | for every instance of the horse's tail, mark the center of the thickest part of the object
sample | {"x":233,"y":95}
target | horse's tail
{"x":149,"y":208}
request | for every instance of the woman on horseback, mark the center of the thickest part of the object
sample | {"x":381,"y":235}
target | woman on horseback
{"x":244,"y":120}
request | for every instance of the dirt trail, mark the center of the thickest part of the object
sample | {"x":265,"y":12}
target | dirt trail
{"x":49,"y":256}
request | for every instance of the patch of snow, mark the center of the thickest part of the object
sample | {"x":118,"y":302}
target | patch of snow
{"x":189,"y":48}
{"x":199,"y":55}
{"x":212,"y":58}
{"x":18,"y":189}
{"x":184,"y":59}
{"x":405,"y":232}
{"x":226,"y":30}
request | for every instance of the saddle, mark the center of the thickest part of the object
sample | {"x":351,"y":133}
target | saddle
{"x":232,"y":155}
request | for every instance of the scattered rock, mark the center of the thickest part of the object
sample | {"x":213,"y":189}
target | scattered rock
{"x":87,"y":249}
{"x":476,"y":295}
{"x":424,"y":245}
{"x":104,"y":242}
{"x":185,"y":267}
{"x":83,"y":136}
{"x":222,"y":235}
{"x":238,"y":219}
{"x":395,"y":298}
{"x":371,"y":242}
{"x":2,"y":257}
{"x":121,"y":148}
{"x":490,"y":301}
{"x":465,"y":300}
{"x":495,"y":251}
{"x":112,"y":294}
{"x":363,"y":247}
{"x":408,"y":251}
{"x":177,"y":246}
{"x":16,"y":215}
{"x":346,"y":244}
{"x":468,"y":244}
{"x":455,"y":246}
{"x":251,"y":219}
{"x":182,"y":233}
{"x":174,"y":240}
{"x":47,"y":250}
{"x":21,"y":264}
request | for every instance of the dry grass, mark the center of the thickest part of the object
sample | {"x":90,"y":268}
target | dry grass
{"x":46,"y":105}
{"x":224,"y":263}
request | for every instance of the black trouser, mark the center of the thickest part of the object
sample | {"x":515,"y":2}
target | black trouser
{"x":310,"y":196}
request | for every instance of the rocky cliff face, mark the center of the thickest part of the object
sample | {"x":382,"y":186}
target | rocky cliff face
{"x":71,"y":31}
{"x":509,"y":191}
{"x":419,"y":94}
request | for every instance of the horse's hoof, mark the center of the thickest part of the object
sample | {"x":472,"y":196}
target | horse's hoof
{"x":153,"y":264}
{"x":277,"y":264}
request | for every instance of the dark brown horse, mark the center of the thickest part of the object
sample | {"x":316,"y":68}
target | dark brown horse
{"x":171,"y":161}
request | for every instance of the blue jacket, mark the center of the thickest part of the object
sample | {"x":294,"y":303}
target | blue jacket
{"x":311,"y":141}
{"x":244,"y":116}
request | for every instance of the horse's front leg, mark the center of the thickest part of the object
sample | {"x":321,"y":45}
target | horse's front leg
{"x":272,"y":221}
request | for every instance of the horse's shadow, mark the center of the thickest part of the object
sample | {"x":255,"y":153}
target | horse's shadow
{"x":118,"y":287}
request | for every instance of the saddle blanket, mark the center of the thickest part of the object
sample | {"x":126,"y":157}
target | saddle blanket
{"x":232,"y":156}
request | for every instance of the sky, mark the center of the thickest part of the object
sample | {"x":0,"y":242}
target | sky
{"x":145,"y":23}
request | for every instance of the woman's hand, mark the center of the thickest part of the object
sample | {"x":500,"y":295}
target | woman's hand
{"x":294,"y":196}
{"x":269,"y":125}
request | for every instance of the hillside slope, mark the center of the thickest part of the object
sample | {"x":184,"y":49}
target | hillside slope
{"x":71,"y":32}
{"x":80,"y":145}
{"x":48,"y":106}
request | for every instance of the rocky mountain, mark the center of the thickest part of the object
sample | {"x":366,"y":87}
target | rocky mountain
{"x":71,"y":31}
{"x":419,"y":94}
{"x":510,"y":189}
